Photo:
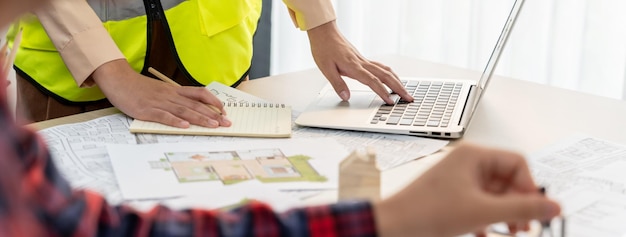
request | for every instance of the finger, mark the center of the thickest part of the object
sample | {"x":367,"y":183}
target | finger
{"x":512,"y":227}
{"x":523,"y":226}
{"x":163,"y":117}
{"x":203,"y":95}
{"x":333,"y":76}
{"x":496,"y":186}
{"x":519,"y":208}
{"x":513,"y":168}
{"x":197,"y":99}
{"x":186,"y":110}
{"x":508,"y":167}
{"x":386,"y":68}
{"x":369,"y":79}
{"x":386,"y":76}
{"x":515,"y":227}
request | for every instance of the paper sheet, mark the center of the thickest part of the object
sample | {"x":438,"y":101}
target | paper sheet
{"x":391,"y":150}
{"x":153,"y":171}
{"x":73,"y":160}
{"x":228,"y":94}
{"x":79,"y":152}
{"x":587,"y":175}
{"x":228,"y":197}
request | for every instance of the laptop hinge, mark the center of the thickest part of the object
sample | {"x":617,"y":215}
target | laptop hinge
{"x":467,"y":113}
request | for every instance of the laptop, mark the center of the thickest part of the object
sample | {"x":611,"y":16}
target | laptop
{"x":442,"y":107}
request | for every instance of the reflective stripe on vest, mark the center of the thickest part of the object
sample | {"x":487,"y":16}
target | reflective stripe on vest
{"x":213,"y":41}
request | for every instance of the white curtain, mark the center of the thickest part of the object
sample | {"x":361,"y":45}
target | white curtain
{"x":573,"y":44}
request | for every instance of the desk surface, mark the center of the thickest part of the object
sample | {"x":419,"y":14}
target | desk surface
{"x":518,"y":115}
{"x":514,"y":114}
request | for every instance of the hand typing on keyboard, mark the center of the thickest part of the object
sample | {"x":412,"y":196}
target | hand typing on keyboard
{"x":396,"y":99}
{"x":433,"y":105}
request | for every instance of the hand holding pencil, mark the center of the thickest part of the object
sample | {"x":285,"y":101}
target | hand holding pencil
{"x":147,"y":99}
{"x":168,"y":80}
{"x":218,"y":110}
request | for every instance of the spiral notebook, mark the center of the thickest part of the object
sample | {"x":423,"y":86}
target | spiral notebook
{"x":251,"y":117}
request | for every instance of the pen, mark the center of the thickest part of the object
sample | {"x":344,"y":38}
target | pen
{"x":544,"y":224}
{"x":168,"y":80}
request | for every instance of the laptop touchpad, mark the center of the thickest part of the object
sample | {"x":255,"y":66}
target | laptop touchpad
{"x":358,"y":100}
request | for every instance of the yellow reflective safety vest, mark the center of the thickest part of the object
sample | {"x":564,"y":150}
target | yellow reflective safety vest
{"x":212,"y":40}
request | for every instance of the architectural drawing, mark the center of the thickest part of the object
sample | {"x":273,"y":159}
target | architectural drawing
{"x":79,"y":151}
{"x":586,"y":175}
{"x":229,"y":167}
{"x":151,"y":171}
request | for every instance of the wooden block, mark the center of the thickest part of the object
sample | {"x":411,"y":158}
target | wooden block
{"x":359,"y":176}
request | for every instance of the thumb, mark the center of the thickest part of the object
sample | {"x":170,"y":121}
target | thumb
{"x":519,"y":208}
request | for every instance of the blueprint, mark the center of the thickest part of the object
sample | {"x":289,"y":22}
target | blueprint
{"x":79,"y":152}
{"x":155,"y":171}
{"x":587,"y":176}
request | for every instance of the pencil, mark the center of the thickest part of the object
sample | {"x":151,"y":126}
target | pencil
{"x":16,"y":44}
{"x":9,"y":58}
{"x":168,"y":80}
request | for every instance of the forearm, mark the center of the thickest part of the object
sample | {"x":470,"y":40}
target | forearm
{"x":326,"y":33}
{"x":79,"y":36}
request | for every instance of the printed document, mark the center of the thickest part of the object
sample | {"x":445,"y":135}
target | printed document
{"x":588,"y":177}
{"x":155,"y":171}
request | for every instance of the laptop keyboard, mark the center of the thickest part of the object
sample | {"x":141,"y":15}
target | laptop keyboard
{"x":432,"y":107}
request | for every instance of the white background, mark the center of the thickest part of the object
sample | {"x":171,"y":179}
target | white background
{"x":574,"y":44}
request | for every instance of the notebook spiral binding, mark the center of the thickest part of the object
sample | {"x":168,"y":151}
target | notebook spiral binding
{"x":253,"y":105}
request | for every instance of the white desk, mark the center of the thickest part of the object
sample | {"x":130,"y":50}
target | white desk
{"x":514,"y":114}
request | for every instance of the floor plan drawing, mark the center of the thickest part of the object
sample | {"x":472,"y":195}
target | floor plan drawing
{"x":229,"y":167}
{"x":151,"y":171}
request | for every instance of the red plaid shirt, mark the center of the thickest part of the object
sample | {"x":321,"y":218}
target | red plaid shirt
{"x":35,"y":200}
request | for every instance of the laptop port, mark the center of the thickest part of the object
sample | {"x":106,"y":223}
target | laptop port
{"x":436,"y":134}
{"x":448,"y":134}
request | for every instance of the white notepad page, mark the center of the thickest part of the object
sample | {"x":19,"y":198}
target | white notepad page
{"x":250,"y":116}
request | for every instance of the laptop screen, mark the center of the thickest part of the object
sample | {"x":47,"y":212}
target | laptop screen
{"x":497,"y":51}
{"x":493,"y":59}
